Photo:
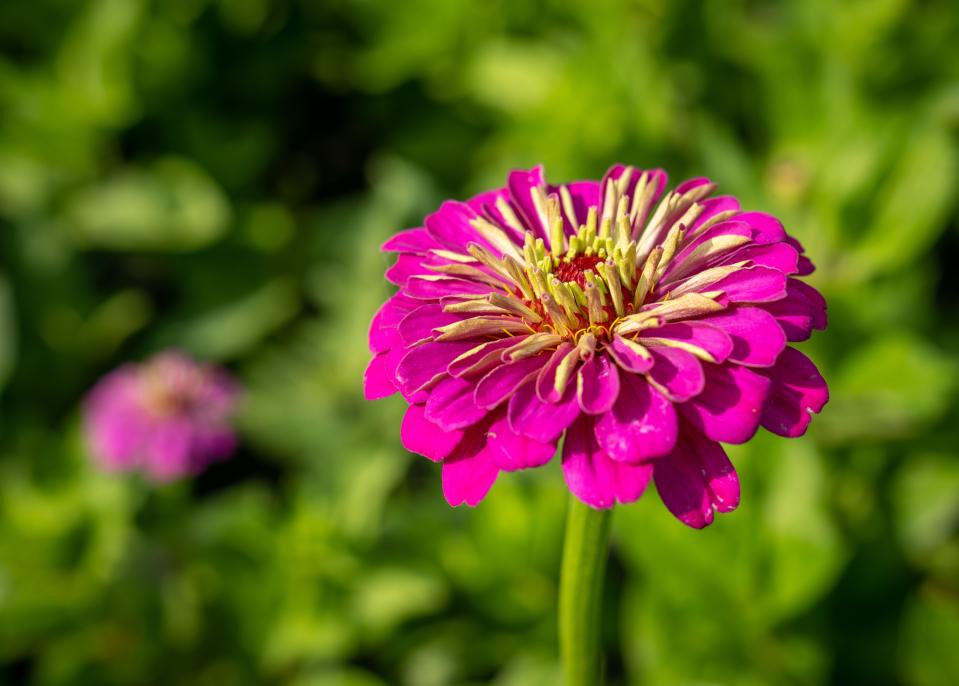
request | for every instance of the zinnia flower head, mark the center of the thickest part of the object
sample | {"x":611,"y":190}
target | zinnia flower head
{"x":647,"y":327}
{"x":168,"y":417}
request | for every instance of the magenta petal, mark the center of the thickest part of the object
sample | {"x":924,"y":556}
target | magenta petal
{"x":488,"y":205}
{"x":116,"y":428}
{"x":593,"y":477}
{"x":757,"y":337}
{"x":712,"y":207}
{"x":778,"y":256}
{"x":538,"y":419}
{"x":657,"y":179}
{"x":486,"y":201}
{"x":612,"y":175}
{"x":720,"y":476}
{"x":802,"y":310}
{"x":407,"y":266}
{"x":420,"y":435}
{"x":766,"y":228}
{"x":450,"y":404}
{"x":731,"y":404}
{"x":469,"y":472}
{"x":597,"y":384}
{"x":751,"y":285}
{"x":797,"y":390}
{"x":695,"y":478}
{"x":682,"y":265}
{"x":805,"y":265}
{"x":615,"y":172}
{"x":432,"y":288}
{"x":450,"y":226}
{"x":690,"y":184}
{"x":511,"y":451}
{"x":584,"y":194}
{"x":383,"y":333}
{"x":416,"y":241}
{"x":817,"y":303}
{"x":711,"y":339}
{"x":682,"y":490}
{"x":520,"y":184}
{"x":545,"y":381}
{"x":424,"y":363}
{"x":168,"y":450}
{"x":484,"y":356}
{"x":794,"y":318}
{"x":642,"y":423}
{"x":627,"y":358}
{"x":419,"y":323}
{"x":677,"y":372}
{"x":378,"y":377}
{"x":500,"y":383}
{"x":416,"y":398}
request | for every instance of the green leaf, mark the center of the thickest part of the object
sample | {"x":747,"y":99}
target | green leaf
{"x":930,"y":637}
{"x":387,"y":597}
{"x":888,"y":388}
{"x":339,"y":677}
{"x":172,"y":205}
{"x":237,"y":326}
{"x":8,"y":332}
{"x":926,"y":497}
{"x":805,"y":551}
{"x":912,"y":206}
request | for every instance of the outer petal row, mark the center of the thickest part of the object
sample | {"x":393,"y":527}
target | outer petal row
{"x":727,"y":372}
{"x":696,"y":478}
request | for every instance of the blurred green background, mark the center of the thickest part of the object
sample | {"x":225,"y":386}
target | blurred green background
{"x":218,"y":174}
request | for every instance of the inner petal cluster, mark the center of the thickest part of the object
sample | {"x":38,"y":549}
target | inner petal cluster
{"x":595,"y":272}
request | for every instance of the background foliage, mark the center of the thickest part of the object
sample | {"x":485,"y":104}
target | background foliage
{"x":217,"y":175}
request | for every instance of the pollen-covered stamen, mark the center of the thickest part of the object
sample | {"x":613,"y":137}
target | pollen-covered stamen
{"x":610,"y":274}
{"x":588,"y":280}
{"x":597,"y":314}
{"x":604,"y":272}
{"x":646,"y":278}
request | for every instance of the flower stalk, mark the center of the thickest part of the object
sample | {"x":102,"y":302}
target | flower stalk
{"x":581,"y":594}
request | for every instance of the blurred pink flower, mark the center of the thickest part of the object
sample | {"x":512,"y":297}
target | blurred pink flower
{"x":168,"y":417}
{"x":648,"y":333}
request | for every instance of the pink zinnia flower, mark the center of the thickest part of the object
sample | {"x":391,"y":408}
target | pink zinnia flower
{"x":647,"y":327}
{"x":169,"y":417}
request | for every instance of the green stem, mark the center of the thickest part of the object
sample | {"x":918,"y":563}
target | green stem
{"x":581,"y":593}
